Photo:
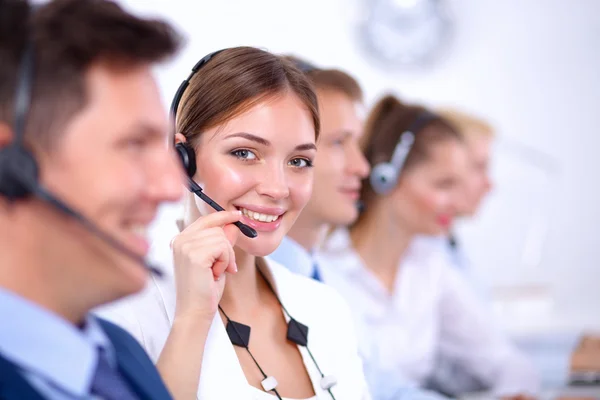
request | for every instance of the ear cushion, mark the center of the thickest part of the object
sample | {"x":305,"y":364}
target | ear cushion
{"x":18,"y":172}
{"x":383,"y":177}
{"x":187,"y":155}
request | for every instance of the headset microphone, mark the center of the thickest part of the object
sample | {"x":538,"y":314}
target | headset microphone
{"x":19,"y":169}
{"x":360,"y":206}
{"x":197,"y":190}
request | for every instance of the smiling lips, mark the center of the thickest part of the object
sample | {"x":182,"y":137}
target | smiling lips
{"x":262,"y":218}
{"x":137,"y":238}
{"x":352,"y":192}
{"x":444,"y":220}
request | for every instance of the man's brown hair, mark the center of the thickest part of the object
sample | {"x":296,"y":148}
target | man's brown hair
{"x":330,"y":79}
{"x":68,"y":37}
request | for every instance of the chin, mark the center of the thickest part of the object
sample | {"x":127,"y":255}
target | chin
{"x":259,"y":246}
{"x":434,"y":230}
{"x":133,"y":278}
{"x":345,"y":219}
{"x":341,"y":213}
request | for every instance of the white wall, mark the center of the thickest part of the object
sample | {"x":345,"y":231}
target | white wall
{"x":531,"y":67}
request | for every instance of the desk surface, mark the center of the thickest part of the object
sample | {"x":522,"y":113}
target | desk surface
{"x":592,"y":392}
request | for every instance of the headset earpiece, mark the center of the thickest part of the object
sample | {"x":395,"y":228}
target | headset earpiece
{"x":18,"y":167}
{"x":187,"y":155}
{"x":18,"y":172}
{"x":383,"y":177}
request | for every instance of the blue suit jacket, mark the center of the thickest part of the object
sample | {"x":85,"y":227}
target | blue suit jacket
{"x":134,"y":364}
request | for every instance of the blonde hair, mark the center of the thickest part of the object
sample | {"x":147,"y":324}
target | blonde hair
{"x":468,"y":125}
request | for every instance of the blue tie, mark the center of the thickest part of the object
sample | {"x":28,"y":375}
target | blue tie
{"x":316,"y":275}
{"x":108,"y":383}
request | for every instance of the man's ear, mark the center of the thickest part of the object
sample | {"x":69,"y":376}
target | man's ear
{"x":6,"y":135}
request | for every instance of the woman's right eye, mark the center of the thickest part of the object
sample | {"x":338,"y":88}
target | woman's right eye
{"x":244,"y":154}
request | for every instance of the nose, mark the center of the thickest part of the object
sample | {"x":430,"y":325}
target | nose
{"x":357,"y":163}
{"x":458,"y":198}
{"x":274,"y":183}
{"x":166,"y":180}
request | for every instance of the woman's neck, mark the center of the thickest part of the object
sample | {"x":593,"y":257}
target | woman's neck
{"x":241,"y":293}
{"x":381,"y":244}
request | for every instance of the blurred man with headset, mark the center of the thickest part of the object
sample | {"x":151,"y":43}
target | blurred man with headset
{"x":340,"y":167}
{"x":84,"y":166}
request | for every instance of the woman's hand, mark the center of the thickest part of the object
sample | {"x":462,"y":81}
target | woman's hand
{"x":202,"y":254}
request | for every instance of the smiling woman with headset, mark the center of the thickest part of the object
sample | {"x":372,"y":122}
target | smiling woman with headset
{"x":410,"y":306}
{"x":227,"y":323}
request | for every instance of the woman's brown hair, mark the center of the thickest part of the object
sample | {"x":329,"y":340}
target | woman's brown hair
{"x":235,"y":80}
{"x":388,"y":119}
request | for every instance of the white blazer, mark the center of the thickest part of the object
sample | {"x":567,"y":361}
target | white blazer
{"x":148,"y":317}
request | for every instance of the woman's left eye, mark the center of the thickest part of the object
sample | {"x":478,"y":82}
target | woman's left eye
{"x":301,"y":163}
{"x":244,"y":154}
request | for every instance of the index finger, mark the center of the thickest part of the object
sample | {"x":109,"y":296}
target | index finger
{"x":215,"y":219}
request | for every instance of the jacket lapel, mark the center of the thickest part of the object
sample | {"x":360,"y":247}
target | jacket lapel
{"x":222,"y":376}
{"x":13,"y":385}
{"x":138,"y":375}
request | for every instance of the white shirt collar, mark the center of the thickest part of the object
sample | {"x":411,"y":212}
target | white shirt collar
{"x":295,"y":257}
{"x":50,"y":347}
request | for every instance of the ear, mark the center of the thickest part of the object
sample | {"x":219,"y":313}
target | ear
{"x":179,"y":138}
{"x":5,"y":135}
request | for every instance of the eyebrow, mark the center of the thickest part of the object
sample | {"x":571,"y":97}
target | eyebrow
{"x":345,"y":133}
{"x":265,"y":142}
{"x":146,"y":129}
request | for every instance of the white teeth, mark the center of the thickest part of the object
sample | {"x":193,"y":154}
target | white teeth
{"x":258,"y":216}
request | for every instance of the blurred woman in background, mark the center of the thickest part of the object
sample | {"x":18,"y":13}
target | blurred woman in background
{"x":410,"y":306}
{"x":557,"y":359}
{"x":478,"y":137}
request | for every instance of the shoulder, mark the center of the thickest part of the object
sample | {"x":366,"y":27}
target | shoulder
{"x":315,"y":304}
{"x":311,"y":292}
{"x":123,"y":341}
{"x":132,"y":358}
{"x":114,"y":332}
{"x":144,"y":315}
{"x":331,"y":328}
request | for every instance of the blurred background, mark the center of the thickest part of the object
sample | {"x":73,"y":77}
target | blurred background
{"x":531,"y":68}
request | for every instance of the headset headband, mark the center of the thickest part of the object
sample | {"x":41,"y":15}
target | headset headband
{"x":186,"y":82}
{"x":23,"y":93}
{"x":407,"y":138}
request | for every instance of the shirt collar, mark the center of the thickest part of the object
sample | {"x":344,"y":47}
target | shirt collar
{"x":338,"y":246}
{"x":44,"y":344}
{"x":294,"y":257}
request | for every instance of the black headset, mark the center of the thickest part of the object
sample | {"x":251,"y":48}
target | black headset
{"x":187,"y":154}
{"x":19,"y":168}
{"x":384,"y":176}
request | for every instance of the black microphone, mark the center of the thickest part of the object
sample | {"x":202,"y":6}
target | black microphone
{"x":197,"y":190}
{"x":62,"y":207}
{"x":360,"y":206}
